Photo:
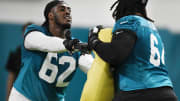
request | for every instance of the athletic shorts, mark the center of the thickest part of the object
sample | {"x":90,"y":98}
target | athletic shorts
{"x":16,"y":96}
{"x":152,"y":94}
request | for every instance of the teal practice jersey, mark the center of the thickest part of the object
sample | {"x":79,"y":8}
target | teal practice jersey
{"x":145,"y":67}
{"x":44,"y":76}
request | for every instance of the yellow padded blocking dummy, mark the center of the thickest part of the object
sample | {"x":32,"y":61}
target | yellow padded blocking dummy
{"x":99,"y":85}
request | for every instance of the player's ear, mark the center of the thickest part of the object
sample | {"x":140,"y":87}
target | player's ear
{"x":51,"y":16}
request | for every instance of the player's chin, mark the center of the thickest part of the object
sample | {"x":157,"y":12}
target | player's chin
{"x":67,"y":26}
{"x":68,"y":22}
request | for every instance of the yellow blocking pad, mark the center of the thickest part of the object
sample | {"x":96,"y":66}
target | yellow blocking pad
{"x":99,"y":85}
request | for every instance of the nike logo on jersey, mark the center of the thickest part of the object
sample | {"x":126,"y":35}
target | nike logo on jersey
{"x":123,"y":22}
{"x":119,"y":32}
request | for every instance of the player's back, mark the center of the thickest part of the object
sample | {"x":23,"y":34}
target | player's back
{"x":145,"y":67}
{"x":44,"y":75}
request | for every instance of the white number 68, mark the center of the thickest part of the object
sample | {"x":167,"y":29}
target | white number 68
{"x":155,"y":55}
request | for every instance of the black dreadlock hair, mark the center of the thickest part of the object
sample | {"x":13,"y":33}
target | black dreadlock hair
{"x":48,"y":8}
{"x":129,"y":7}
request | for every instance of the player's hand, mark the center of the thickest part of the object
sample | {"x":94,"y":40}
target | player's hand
{"x":93,"y":36}
{"x":67,"y":34}
{"x":69,"y":44}
{"x":83,"y":48}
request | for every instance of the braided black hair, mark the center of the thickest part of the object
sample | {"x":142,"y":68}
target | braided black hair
{"x":129,"y":7}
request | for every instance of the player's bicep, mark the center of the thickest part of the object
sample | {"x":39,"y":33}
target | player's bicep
{"x":118,"y":50}
{"x":123,"y":41}
{"x":36,"y":40}
{"x":32,"y":39}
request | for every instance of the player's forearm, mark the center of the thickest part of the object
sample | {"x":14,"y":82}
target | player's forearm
{"x":118,"y":50}
{"x":85,"y":62}
{"x":37,"y":41}
{"x":11,"y":78}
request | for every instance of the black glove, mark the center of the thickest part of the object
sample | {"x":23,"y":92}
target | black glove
{"x":83,"y":48}
{"x":67,"y":34}
{"x":93,"y":36}
{"x":69,"y":44}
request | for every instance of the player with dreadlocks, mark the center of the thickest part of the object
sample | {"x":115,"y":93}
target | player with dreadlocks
{"x":136,"y":53}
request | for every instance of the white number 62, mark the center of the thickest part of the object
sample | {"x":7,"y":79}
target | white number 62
{"x":47,"y":65}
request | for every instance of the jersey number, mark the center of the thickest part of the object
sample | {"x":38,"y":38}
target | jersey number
{"x":155,"y":55}
{"x":47,"y":65}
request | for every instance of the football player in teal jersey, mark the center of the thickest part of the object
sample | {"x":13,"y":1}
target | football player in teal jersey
{"x":136,"y":54}
{"x":47,"y":61}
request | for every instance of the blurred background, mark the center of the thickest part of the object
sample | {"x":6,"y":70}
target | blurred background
{"x":86,"y":13}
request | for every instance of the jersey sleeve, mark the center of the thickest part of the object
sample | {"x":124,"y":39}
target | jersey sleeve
{"x":31,"y":28}
{"x":126,"y":23}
